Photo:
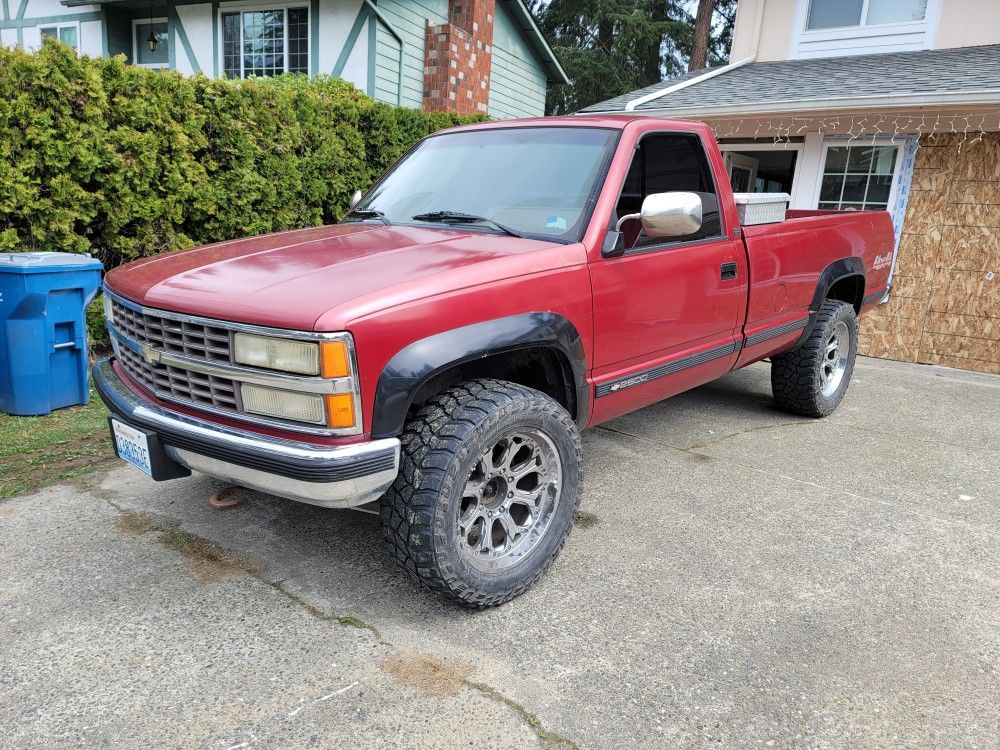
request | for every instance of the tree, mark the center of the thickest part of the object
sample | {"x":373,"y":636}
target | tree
{"x":720,"y":38}
{"x":702,"y":31}
{"x":611,"y":47}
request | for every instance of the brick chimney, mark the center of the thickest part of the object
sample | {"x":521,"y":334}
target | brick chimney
{"x":458,"y":58}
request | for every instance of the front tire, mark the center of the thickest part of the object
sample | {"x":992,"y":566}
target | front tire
{"x":811,"y":380}
{"x":488,"y":489}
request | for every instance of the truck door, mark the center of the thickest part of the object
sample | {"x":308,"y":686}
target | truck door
{"x":667,"y":311}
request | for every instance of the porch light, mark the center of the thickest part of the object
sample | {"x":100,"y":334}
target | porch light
{"x":151,"y":41}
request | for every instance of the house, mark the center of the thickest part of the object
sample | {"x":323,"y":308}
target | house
{"x":873,"y":104}
{"x":469,"y":56}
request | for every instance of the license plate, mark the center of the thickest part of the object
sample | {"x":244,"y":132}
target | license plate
{"x":132,"y":446}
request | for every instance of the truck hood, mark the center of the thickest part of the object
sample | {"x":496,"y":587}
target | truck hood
{"x":289,"y":280}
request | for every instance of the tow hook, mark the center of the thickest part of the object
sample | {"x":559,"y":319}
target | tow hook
{"x":227,"y":497}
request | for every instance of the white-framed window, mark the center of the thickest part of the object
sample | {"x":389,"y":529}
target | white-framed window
{"x":67,"y":33}
{"x":831,"y":28}
{"x":865,"y":174}
{"x":831,"y":14}
{"x":142,"y":28}
{"x":264,"y":39}
{"x":859,"y":176}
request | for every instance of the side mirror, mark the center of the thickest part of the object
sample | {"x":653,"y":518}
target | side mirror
{"x":356,"y":198}
{"x":672,"y":214}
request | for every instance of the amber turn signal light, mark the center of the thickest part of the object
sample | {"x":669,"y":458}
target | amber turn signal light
{"x":340,"y":410}
{"x":334,"y":359}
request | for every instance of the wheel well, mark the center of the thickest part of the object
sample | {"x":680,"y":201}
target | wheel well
{"x":543,"y":368}
{"x":848,"y":289}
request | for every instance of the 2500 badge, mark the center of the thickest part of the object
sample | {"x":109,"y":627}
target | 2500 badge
{"x":881,"y":261}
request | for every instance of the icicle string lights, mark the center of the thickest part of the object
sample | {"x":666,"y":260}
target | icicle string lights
{"x":972,"y":127}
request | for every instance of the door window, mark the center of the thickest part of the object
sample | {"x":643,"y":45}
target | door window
{"x":159,"y":57}
{"x":665,"y":163}
{"x":742,"y":172}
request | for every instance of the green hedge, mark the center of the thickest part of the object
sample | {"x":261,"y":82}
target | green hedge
{"x":103,"y":157}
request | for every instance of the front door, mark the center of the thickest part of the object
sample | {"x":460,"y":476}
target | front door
{"x":666,"y":313}
{"x":742,"y":172}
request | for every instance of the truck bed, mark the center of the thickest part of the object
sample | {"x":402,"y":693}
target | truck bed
{"x":783,"y":284}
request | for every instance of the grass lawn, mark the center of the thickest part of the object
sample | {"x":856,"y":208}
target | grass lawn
{"x":38,"y":451}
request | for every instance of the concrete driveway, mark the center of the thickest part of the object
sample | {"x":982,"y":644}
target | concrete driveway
{"x":739,"y":577}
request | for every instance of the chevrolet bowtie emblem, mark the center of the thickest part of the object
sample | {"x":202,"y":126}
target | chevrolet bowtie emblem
{"x":150,"y":355}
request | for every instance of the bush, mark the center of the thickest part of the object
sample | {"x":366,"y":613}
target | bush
{"x":101,"y":157}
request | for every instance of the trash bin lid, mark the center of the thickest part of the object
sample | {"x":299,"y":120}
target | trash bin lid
{"x":41,"y":262}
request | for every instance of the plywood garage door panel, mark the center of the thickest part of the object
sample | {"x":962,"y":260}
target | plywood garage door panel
{"x":945,"y":307}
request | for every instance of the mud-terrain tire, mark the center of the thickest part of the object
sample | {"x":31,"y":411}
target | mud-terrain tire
{"x":812,"y":379}
{"x":488,"y":490}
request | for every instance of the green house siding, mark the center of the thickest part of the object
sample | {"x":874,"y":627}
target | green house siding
{"x":409,"y":20}
{"x":381,"y":43}
{"x":517,"y":79}
{"x":388,"y":65}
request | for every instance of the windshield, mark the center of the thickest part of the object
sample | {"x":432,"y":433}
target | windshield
{"x":539,"y":182}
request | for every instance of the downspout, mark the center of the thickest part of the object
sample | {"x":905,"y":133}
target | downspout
{"x":707,"y":75}
{"x":758,"y":24}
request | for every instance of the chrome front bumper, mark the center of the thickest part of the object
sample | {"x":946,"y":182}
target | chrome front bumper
{"x":332,"y":477}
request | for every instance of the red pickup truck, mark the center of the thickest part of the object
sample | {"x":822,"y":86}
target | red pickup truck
{"x":502,"y":287}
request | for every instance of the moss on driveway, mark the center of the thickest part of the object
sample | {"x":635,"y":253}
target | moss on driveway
{"x":39,"y":451}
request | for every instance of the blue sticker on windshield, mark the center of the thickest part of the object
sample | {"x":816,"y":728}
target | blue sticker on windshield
{"x":555,"y":222}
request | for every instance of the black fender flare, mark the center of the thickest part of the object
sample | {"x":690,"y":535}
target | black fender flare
{"x":839,"y":269}
{"x":411,"y":367}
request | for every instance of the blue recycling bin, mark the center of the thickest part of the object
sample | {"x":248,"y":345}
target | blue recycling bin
{"x":43,"y":330}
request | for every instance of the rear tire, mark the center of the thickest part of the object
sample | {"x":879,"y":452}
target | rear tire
{"x":812,"y":379}
{"x":488,"y":490}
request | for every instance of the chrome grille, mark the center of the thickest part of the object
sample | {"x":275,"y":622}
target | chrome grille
{"x":205,"y":342}
{"x":189,"y":360}
{"x":175,"y":382}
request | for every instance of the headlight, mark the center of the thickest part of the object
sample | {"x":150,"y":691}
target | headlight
{"x":332,"y":359}
{"x":286,"y":355}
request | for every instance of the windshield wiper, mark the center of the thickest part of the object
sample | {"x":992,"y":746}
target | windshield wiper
{"x":368,"y":213}
{"x":457,"y":217}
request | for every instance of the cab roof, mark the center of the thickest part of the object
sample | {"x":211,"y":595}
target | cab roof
{"x":618,"y":122}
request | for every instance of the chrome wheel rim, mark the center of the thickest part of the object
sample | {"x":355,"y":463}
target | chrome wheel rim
{"x":834,"y":363}
{"x":509,"y":500}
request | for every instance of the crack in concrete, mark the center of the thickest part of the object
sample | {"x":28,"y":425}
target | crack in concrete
{"x":136,"y":523}
{"x":693,"y":449}
{"x":758,"y":428}
{"x":550,"y":740}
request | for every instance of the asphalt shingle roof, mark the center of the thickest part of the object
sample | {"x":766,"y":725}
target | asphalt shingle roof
{"x":968,"y":69}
